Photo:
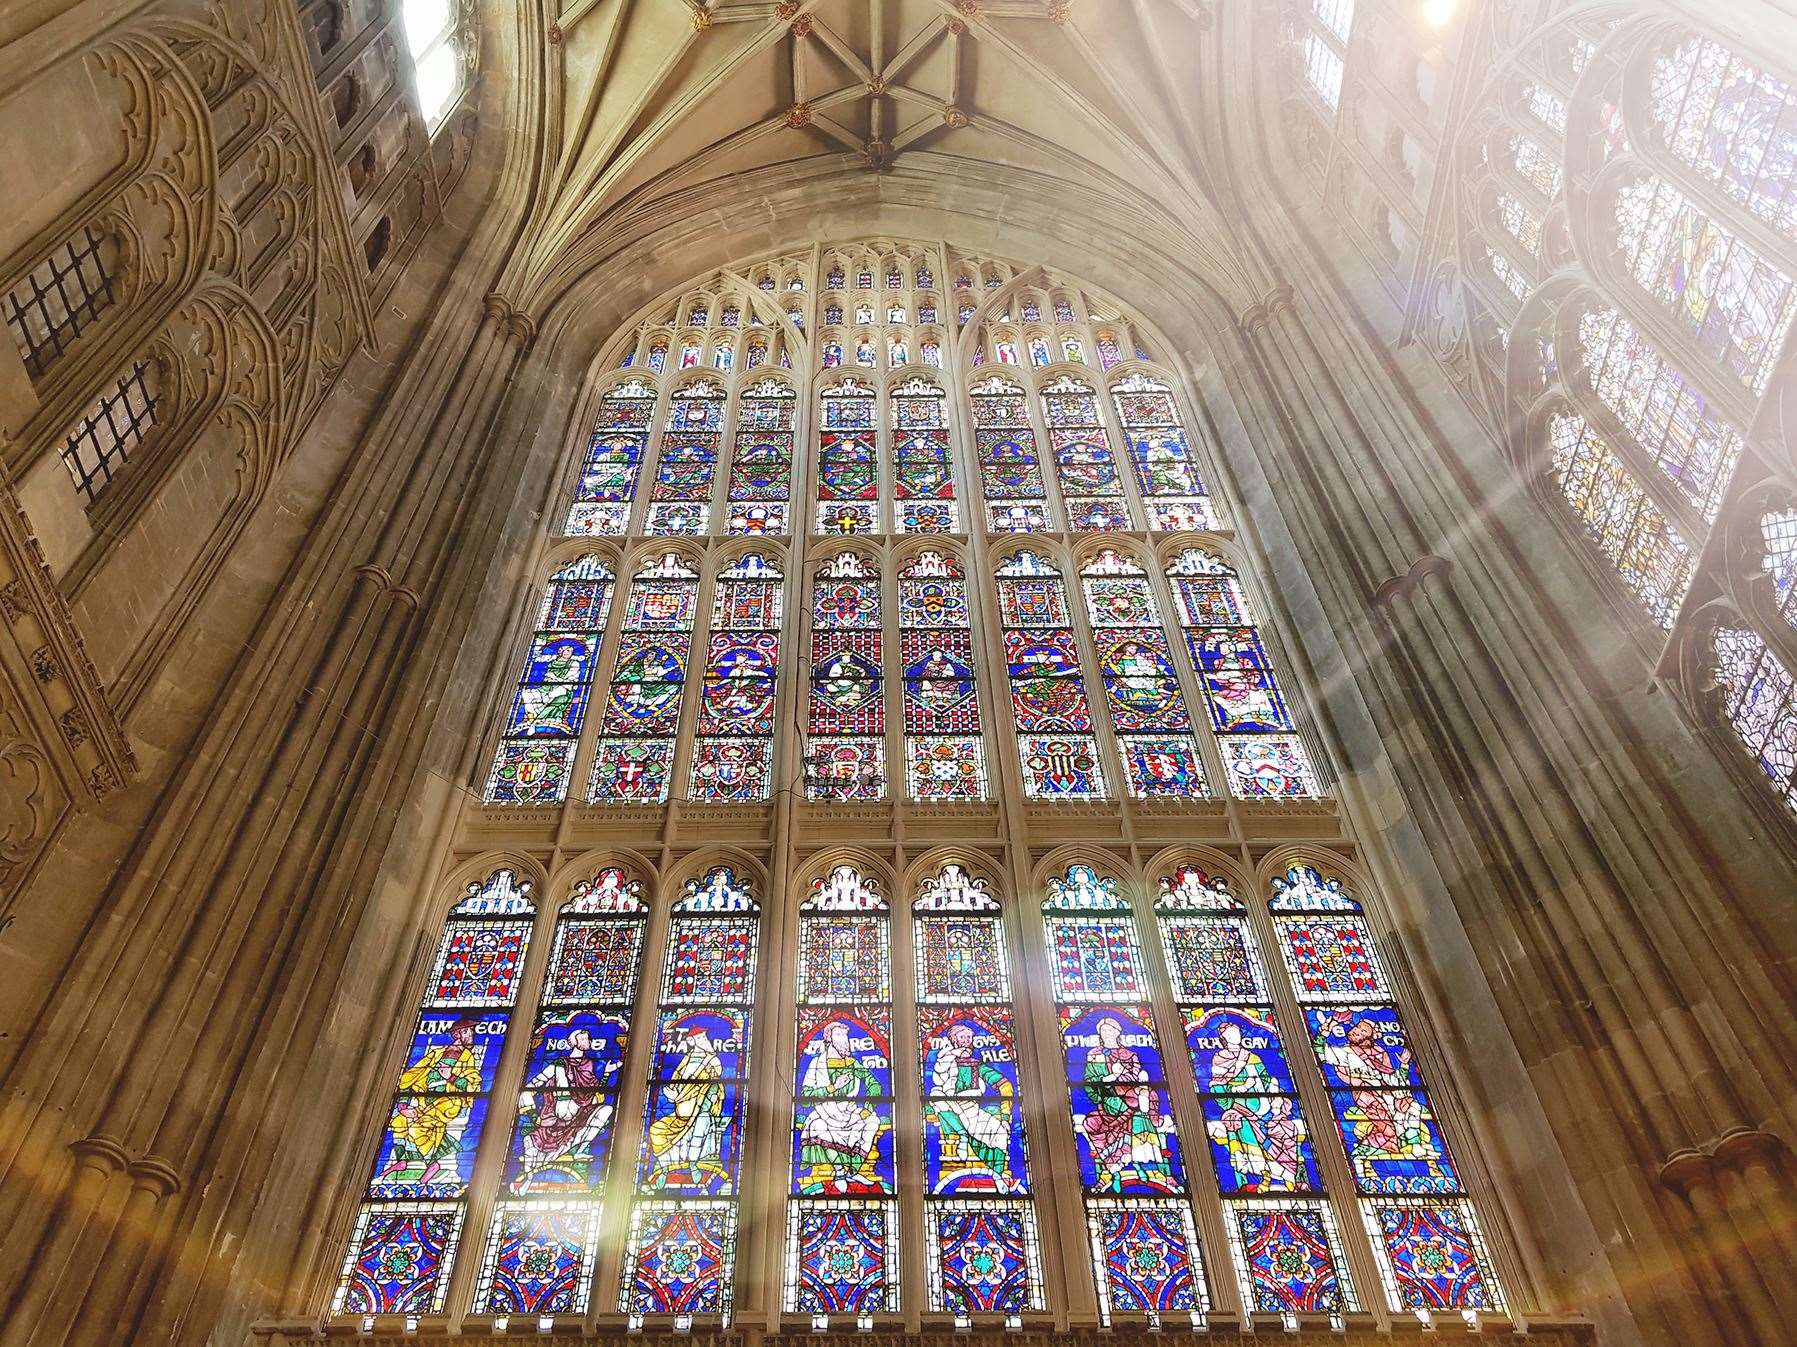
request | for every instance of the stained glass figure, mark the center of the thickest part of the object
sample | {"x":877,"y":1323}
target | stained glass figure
{"x":1760,"y":701}
{"x":1132,"y":1172}
{"x":1734,"y":123}
{"x":1627,"y":525}
{"x":1734,"y":302}
{"x":848,"y":477}
{"x":945,"y":756}
{"x":548,"y":708}
{"x":845,"y":755}
{"x":1010,"y":464}
{"x":842,"y":1236}
{"x":760,"y":485}
{"x":1263,"y":758}
{"x":1110,"y":352}
{"x":1085,"y":466}
{"x":733,"y":753}
{"x":401,"y":1251}
{"x":1055,"y":744}
{"x":1166,"y":469}
{"x":658,"y":359}
{"x":1394,"y":1145}
{"x":680,"y":502}
{"x":635,"y":758}
{"x":682,"y":1237}
{"x":540,"y":1242}
{"x":923,"y":487}
{"x":1288,"y":1257}
{"x":1158,"y":752}
{"x":614,"y":456}
{"x":980,"y":1226}
{"x":1669,"y":419}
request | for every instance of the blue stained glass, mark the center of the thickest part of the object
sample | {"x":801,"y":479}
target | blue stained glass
{"x":1110,"y":1042}
{"x":1394,"y":1144}
{"x":842,"y":1147}
{"x":1161,"y":766}
{"x":1433,"y":1257}
{"x":577,"y":1049}
{"x":1227,"y":648}
{"x":693,"y":1130}
{"x":680,"y":1258}
{"x":1362,"y":1047}
{"x":429,"y":1145}
{"x":983,"y":1260}
{"x":1244,"y":700}
{"x":973,"y":1131}
{"x":839,"y":1259}
{"x":1147,"y":1259}
{"x":453,"y":1053}
{"x":539,"y":1261}
{"x":1236,"y":1050}
{"x":726,"y":1033}
{"x":1095,"y":957}
{"x":398,"y":1261}
{"x":561,"y":1142}
{"x":1290,"y":1260}
{"x":1259,"y":1144}
{"x":845,"y":1051}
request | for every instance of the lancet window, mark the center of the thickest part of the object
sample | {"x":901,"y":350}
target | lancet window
{"x":1279,"y":1223}
{"x":543,"y":1235}
{"x":945,"y":756}
{"x":410,"y":1222}
{"x":1427,"y":1238}
{"x":733,"y":755}
{"x":845,"y":753}
{"x":842,"y":1243}
{"x":761,"y":462}
{"x":608,"y":477}
{"x":1056,"y":747}
{"x":981,"y":1245}
{"x":641,"y":715}
{"x":1010,"y":464}
{"x":1132,"y":1170}
{"x":923,"y":476}
{"x":687,"y":461}
{"x":680,"y":1254}
{"x":548,"y":709}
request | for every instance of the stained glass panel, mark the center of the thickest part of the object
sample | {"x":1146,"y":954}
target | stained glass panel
{"x":848,"y":477}
{"x":642,"y":709}
{"x":608,"y":475}
{"x":841,"y":1246}
{"x":549,"y":705}
{"x":945,"y":757}
{"x":1048,"y":693}
{"x":760,"y":485}
{"x":1085,"y":466}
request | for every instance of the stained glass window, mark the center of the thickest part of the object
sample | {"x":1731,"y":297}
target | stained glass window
{"x":1669,"y":417}
{"x":1141,"y":685}
{"x":980,"y":1241}
{"x":613,"y":459}
{"x":733,"y":754}
{"x":542,"y":1239}
{"x":1760,"y":701}
{"x":635,"y":758}
{"x":410,"y":1222}
{"x":1539,"y":168}
{"x":549,"y":705}
{"x":848,"y":477}
{"x":1165,"y":467}
{"x":845,"y":752}
{"x":1430,"y":1250}
{"x":1055,"y":743}
{"x":1547,"y":106}
{"x":680,"y":1251}
{"x":923,"y":486}
{"x":1335,"y":15}
{"x":1507,"y":272}
{"x":1263,"y":758}
{"x":1630,"y":530}
{"x":842,"y":1216}
{"x":688,"y":461}
{"x":1085,"y":465}
{"x":1733,"y":302}
{"x":1733,"y":122}
{"x":1521,"y":222}
{"x":1010,"y":466}
{"x":945,"y":756}
{"x":760,"y":488}
{"x":1282,"y":1235}
{"x":1145,"y":1253}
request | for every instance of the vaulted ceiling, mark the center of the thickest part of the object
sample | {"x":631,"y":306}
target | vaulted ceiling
{"x":651,"y":98}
